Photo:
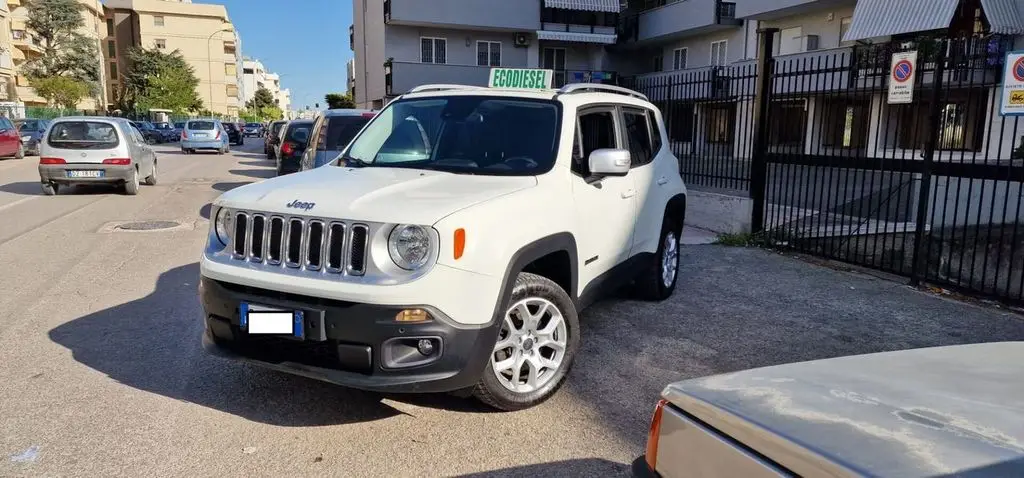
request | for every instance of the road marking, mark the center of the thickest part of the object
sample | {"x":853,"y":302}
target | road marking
{"x":15,"y":203}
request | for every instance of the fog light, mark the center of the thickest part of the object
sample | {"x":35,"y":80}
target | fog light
{"x":412,"y":315}
{"x":425,"y":346}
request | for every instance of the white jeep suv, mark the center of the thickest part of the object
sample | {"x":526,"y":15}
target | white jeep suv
{"x":452,"y":244}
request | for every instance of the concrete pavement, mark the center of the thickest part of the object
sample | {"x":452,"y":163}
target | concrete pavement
{"x":103,"y":374}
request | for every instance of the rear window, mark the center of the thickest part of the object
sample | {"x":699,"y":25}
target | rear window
{"x":252,"y":125}
{"x":299,"y":133}
{"x":29,"y":125}
{"x":83,"y":135}
{"x":339,"y":132}
{"x":179,"y":125}
{"x":276,"y":127}
{"x":230,"y":126}
{"x":202,"y":125}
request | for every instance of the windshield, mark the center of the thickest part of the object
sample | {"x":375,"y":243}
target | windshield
{"x":201,"y":125}
{"x":276,"y":127}
{"x":83,"y":135}
{"x":339,"y":132}
{"x":464,"y":134}
{"x":230,"y":127}
{"x":252,"y":125}
{"x":28,"y":125}
{"x":162,"y":126}
{"x":179,"y":125}
{"x":145,"y":125}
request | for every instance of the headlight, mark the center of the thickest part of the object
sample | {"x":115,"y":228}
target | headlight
{"x":410,"y":246}
{"x":26,"y":138}
{"x":222,"y":226}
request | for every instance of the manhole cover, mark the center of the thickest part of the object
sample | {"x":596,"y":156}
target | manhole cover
{"x":147,"y":225}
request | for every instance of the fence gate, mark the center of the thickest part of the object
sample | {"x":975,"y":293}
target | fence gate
{"x":929,"y":188}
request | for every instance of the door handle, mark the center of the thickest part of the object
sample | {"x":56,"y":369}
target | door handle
{"x":628,"y":193}
{"x":662,"y":181}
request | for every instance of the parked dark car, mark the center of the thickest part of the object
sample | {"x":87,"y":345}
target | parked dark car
{"x":331,"y":133}
{"x":178,"y":128}
{"x":31,"y":132}
{"x":149,"y":132}
{"x":294,"y":140}
{"x":234,"y":133}
{"x":253,"y":129}
{"x":271,"y":138}
{"x":167,"y":132}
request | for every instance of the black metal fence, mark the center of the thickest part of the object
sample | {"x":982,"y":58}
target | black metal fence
{"x":931,"y":189}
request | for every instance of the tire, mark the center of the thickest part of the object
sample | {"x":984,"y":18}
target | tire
{"x":131,"y":186}
{"x":21,"y":152}
{"x":653,"y":283}
{"x":151,"y":179}
{"x":51,"y":189}
{"x":535,"y":292}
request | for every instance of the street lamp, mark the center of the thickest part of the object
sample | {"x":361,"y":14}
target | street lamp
{"x":209,"y":62}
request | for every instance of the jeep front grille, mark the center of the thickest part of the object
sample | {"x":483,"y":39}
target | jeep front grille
{"x":318,"y":245}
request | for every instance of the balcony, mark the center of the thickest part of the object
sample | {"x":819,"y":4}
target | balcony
{"x":771,"y":9}
{"x":26,"y":42}
{"x":578,"y":26}
{"x":497,"y":15}
{"x":12,"y":4}
{"x":565,"y":77}
{"x":679,"y":19}
{"x":404,"y":76}
{"x":692,"y":84}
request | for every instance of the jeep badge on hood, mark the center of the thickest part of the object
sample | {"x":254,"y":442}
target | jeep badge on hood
{"x":305,"y":206}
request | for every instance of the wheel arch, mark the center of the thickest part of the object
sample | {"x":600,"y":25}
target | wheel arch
{"x":561,"y":246}
{"x":676,"y":208}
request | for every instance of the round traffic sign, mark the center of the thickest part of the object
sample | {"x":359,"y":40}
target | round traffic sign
{"x":902,"y":70}
{"x":1018,"y":69}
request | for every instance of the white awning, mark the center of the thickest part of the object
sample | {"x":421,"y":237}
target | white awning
{"x":586,"y":5}
{"x":1004,"y":16}
{"x":878,"y":18}
{"x":576,"y":37}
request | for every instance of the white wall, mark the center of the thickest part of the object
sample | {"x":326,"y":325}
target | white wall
{"x":403,"y":44}
{"x":369,"y":30}
{"x":824,"y":23}
{"x":699,"y":48}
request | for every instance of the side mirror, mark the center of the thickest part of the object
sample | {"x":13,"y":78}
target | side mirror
{"x":609,"y":162}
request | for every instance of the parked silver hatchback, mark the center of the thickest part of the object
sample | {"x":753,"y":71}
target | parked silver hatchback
{"x":93,"y":149}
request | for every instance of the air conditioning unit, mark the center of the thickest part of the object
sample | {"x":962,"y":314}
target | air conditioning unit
{"x":521,"y":39}
{"x":812,"y":42}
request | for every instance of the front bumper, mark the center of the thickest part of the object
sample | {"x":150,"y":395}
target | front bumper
{"x":57,"y":173}
{"x":31,"y":147}
{"x":352,"y":344}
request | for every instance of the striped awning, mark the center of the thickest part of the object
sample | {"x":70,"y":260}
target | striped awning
{"x":576,"y":37}
{"x":1005,"y":16}
{"x":878,"y":18}
{"x":586,"y":5}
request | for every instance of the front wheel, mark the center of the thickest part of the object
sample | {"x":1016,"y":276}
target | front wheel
{"x":536,"y":343}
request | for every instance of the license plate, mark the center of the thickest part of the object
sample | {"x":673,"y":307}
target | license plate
{"x":200,"y":135}
{"x":264,"y":320}
{"x":85,"y":174}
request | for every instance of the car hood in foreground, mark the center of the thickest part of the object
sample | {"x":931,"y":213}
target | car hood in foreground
{"x":915,"y":413}
{"x":373,"y":194}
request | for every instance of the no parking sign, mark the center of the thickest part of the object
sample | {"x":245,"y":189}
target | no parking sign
{"x":1012,"y":102}
{"x":901,"y":78}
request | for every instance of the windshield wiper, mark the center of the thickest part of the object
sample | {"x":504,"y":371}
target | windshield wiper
{"x":355,"y":162}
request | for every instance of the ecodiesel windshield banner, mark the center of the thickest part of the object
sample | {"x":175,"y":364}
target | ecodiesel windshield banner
{"x":527,"y":79}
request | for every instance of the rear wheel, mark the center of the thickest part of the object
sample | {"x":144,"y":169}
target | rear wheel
{"x":151,"y":179}
{"x":50,"y":189}
{"x":658,"y":281}
{"x":536,"y":343}
{"x":131,"y":185}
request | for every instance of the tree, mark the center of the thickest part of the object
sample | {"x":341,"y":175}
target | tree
{"x":61,"y":90}
{"x":263,"y":98}
{"x":66,"y":51}
{"x":339,"y":101}
{"x":159,"y":80}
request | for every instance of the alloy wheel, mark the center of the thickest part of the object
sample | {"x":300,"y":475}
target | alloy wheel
{"x":531,"y":345}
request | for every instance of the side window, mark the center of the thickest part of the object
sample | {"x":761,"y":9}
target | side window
{"x":595,"y":130}
{"x":320,"y":133}
{"x":652,"y":119}
{"x":639,"y":137}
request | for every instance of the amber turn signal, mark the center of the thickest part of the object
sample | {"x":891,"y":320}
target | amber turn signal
{"x":412,"y":315}
{"x":460,"y":242}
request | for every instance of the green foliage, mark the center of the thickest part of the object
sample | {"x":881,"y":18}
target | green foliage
{"x":159,"y":80}
{"x":66,"y":52}
{"x":735,"y":240}
{"x":339,"y":101}
{"x":267,"y":113}
{"x":61,"y":90}
{"x":46,"y":112}
{"x":263,"y":98}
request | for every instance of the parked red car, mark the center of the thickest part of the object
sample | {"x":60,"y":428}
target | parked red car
{"x":10,"y":140}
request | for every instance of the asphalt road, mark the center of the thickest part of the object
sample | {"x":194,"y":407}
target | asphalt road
{"x":102,"y":374}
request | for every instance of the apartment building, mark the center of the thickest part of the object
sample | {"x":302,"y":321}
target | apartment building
{"x":254,"y":77}
{"x":399,"y":44}
{"x":8,"y":85}
{"x":28,"y":45}
{"x":203,"y":34}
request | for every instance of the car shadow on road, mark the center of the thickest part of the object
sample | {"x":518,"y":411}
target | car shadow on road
{"x":226,"y":186}
{"x":32,"y":188}
{"x":252,"y":156}
{"x":266,"y":163}
{"x":25,"y":188}
{"x":255,"y":173}
{"x":153,"y":344}
{"x":580,"y":467}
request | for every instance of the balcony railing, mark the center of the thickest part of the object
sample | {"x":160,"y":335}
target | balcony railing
{"x":565,"y":77}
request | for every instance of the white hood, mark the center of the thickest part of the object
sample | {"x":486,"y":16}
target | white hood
{"x":373,"y":194}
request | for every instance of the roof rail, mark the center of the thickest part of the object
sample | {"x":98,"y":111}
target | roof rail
{"x":443,"y":87}
{"x":599,"y":88}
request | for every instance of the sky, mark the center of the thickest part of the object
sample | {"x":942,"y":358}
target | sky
{"x":304,"y":41}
